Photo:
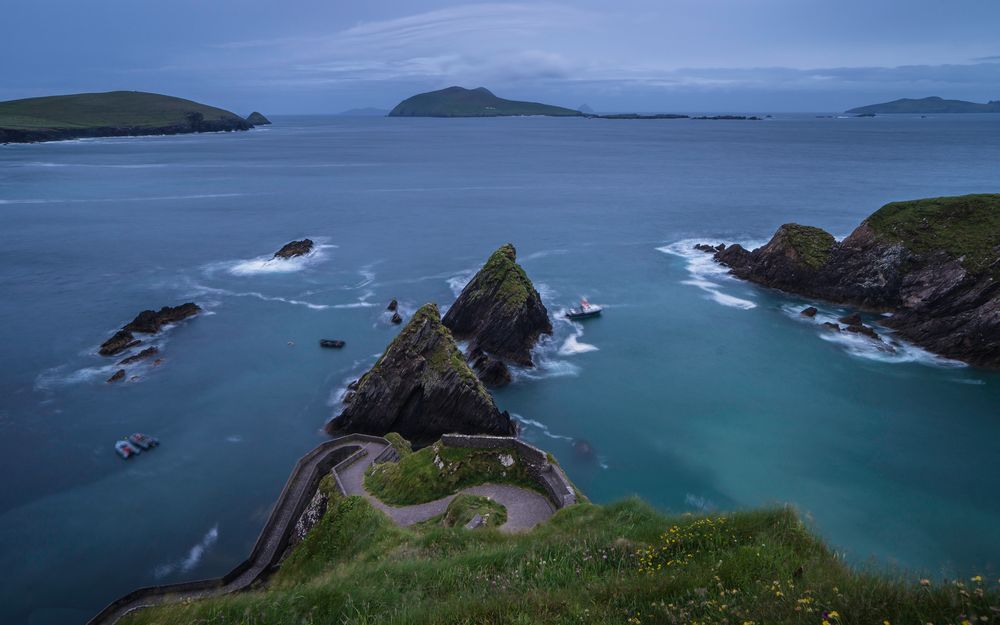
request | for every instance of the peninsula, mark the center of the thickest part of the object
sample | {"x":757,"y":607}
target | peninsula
{"x":924,"y":106}
{"x":110,"y":114}
{"x":479,"y":102}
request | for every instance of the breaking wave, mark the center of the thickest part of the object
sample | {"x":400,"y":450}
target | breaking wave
{"x":193,"y":558}
{"x":706,"y":274}
{"x":270,"y":264}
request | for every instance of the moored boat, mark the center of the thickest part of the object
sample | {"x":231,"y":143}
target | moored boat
{"x":143,"y":440}
{"x":126,"y":449}
{"x":585,"y":311}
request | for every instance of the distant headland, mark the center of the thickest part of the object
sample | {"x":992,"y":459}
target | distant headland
{"x":110,"y":114}
{"x":479,"y":102}
{"x":926,"y":106}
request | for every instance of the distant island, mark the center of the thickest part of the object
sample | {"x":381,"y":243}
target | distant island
{"x":479,"y":102}
{"x":110,"y":114}
{"x":927,"y":105}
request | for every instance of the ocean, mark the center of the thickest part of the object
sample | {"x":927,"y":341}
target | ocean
{"x":694,"y":390}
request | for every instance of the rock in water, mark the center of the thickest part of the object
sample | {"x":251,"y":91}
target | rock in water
{"x":933,"y":263}
{"x":809,"y":312}
{"x":332,"y":343}
{"x":258,"y":119}
{"x":500,"y":313}
{"x":393,"y":305}
{"x":396,"y":318}
{"x":146,"y":353}
{"x":119,"y":375}
{"x":294,"y":248}
{"x":422,"y":388}
{"x":122,"y":340}
{"x":150,"y":321}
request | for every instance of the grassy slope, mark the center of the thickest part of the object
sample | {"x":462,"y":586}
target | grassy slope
{"x":623,"y":563}
{"x":416,"y":478}
{"x":98,"y":110}
{"x":462,"y":508}
{"x":503,"y":279}
{"x":965,"y":227}
{"x":813,"y":245}
{"x":480,"y":102}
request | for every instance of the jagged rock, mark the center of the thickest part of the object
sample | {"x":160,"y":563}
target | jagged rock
{"x":851,"y":320}
{"x":704,"y":247}
{"x":491,"y":371}
{"x":809,"y":312}
{"x":396,"y":318}
{"x":499,"y":312}
{"x":146,"y":353}
{"x":122,"y":340}
{"x":332,"y":343}
{"x":118,"y":375}
{"x":868,"y":331}
{"x":421,"y":388}
{"x":150,"y":321}
{"x":294,"y":248}
{"x":933,"y":263}
{"x":393,"y":305}
{"x":831,"y":325}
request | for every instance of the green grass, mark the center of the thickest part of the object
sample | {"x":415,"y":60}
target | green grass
{"x":503,"y":280}
{"x":813,"y":245}
{"x":134,"y":109}
{"x":418,"y":478}
{"x":480,"y":102}
{"x":589,"y":564}
{"x":965,"y":227}
{"x":462,"y":508}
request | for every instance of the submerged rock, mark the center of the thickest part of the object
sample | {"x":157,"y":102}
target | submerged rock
{"x":499,"y":312}
{"x":934,"y":263}
{"x":809,"y":312}
{"x":421,"y":387}
{"x":857,"y":328}
{"x":294,"y":248}
{"x":831,"y":326}
{"x":118,"y":375}
{"x":851,"y":320}
{"x":146,"y":353}
{"x":332,"y":343}
{"x":393,"y":305}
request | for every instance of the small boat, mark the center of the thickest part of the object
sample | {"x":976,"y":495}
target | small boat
{"x":585,"y":311}
{"x":126,"y":449}
{"x":143,"y":440}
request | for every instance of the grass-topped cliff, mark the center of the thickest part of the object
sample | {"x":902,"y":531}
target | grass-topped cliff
{"x":479,"y":102}
{"x":115,"y":113}
{"x":811,"y":245}
{"x":966,"y":227}
{"x":621,"y":563}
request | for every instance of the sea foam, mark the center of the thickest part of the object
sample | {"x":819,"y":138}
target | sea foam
{"x":272,"y":265}
{"x":706,"y":274}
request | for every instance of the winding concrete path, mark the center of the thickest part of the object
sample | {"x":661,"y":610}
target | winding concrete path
{"x":353,"y":454}
{"x":525,"y":508}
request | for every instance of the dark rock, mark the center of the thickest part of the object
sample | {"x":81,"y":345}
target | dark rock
{"x":257,"y":119}
{"x":831,"y":325}
{"x":809,"y":312}
{"x":122,"y":340}
{"x":720,"y":247}
{"x":146,"y":353}
{"x":868,"y":331}
{"x":933,"y":263}
{"x":294,"y":248}
{"x":704,"y":247}
{"x":851,"y":320}
{"x":499,"y":311}
{"x":119,"y":375}
{"x":421,"y":388}
{"x":396,"y":318}
{"x":150,"y":321}
{"x":393,"y":305}
{"x":332,"y":343}
{"x":491,"y":371}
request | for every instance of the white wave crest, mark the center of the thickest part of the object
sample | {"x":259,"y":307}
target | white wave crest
{"x":202,"y":289}
{"x":458,"y":281}
{"x":544,"y":429}
{"x":270,"y":264}
{"x":193,"y":557}
{"x":706,"y":274}
{"x":572,"y":345}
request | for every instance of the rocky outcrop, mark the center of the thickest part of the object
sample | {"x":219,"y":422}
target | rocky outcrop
{"x":331,"y":343}
{"x":294,"y":248}
{"x":146,"y":322}
{"x":421,"y":388}
{"x":144,"y":354}
{"x":500,"y":313}
{"x":934,"y":264}
{"x":118,"y":375}
{"x":258,"y":119}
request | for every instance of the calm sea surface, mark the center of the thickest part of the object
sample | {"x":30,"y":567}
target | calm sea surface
{"x":694,"y":391}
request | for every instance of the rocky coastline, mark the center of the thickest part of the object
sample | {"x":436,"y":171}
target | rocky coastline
{"x":38,"y":135}
{"x":146,"y":322}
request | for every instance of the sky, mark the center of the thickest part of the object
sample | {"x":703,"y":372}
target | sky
{"x":325,"y":56}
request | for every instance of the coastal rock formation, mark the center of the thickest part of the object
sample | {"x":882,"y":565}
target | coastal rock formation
{"x":933,"y":263}
{"x":421,"y":388}
{"x":257,"y":119}
{"x":500,"y":313}
{"x":144,"y":354}
{"x":393,"y":305}
{"x":294,"y":248}
{"x":396,"y":319}
{"x":809,"y":311}
{"x":146,"y":322}
{"x":332,"y":343}
{"x":118,"y":375}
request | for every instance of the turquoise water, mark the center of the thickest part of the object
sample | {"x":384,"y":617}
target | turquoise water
{"x":694,"y":390}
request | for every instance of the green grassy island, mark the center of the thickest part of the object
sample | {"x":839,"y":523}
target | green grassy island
{"x":479,"y":102}
{"x":111,"y":114}
{"x":618,"y":563}
{"x":925,"y":106}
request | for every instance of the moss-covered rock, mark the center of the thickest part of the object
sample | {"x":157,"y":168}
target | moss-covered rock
{"x":501,"y":315}
{"x":421,"y":387}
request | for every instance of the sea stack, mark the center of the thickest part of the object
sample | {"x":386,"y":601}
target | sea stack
{"x":257,"y":119}
{"x":421,"y":387}
{"x":146,"y":322}
{"x":933,"y":263}
{"x":294,"y":248}
{"x":501,"y":315}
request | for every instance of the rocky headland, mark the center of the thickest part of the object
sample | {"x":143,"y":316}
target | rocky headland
{"x":933,"y":263}
{"x":421,"y":387}
{"x":501,"y":315}
{"x":146,"y":322}
{"x":258,"y":119}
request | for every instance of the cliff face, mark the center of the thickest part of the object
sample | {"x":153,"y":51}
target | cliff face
{"x":935,"y":264}
{"x":422,"y":388}
{"x":501,"y":314}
